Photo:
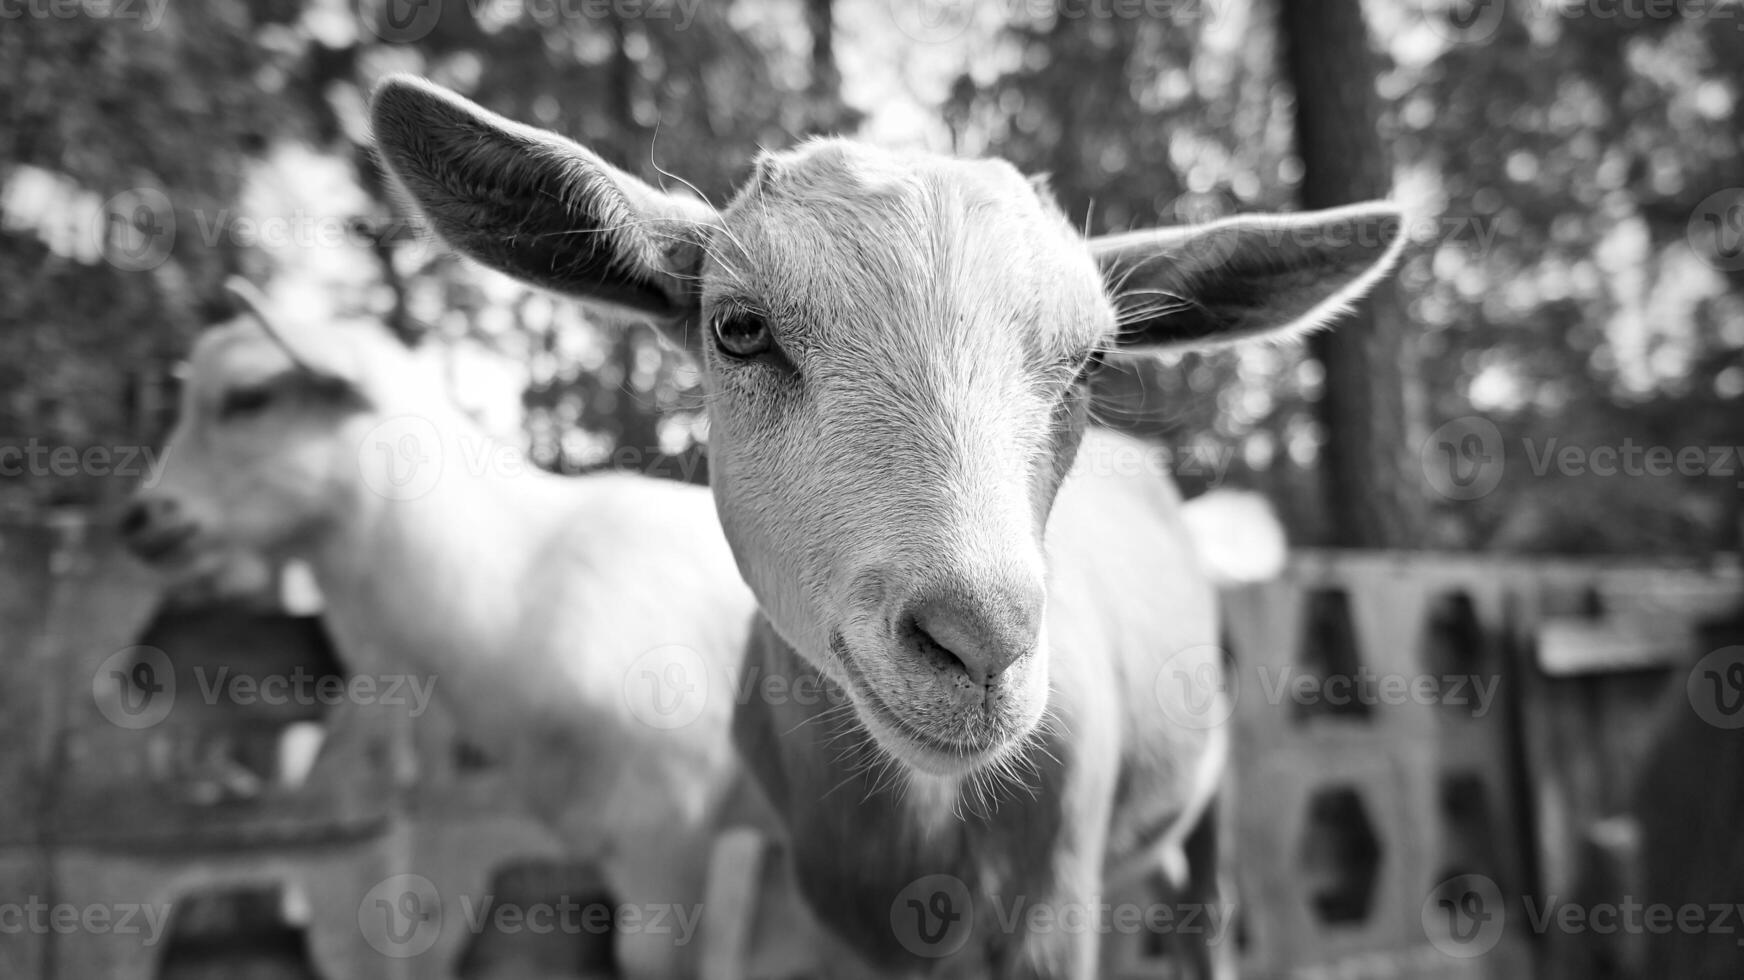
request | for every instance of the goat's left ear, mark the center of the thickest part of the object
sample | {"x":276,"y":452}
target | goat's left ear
{"x":1251,"y":276}
{"x":539,"y":207}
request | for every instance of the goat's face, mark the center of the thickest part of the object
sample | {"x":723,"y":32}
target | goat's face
{"x":259,"y":460}
{"x":895,"y":349}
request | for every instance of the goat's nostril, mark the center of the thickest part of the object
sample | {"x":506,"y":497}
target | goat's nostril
{"x":978,"y":639}
{"x":136,"y":518}
{"x":148,"y":514}
{"x":937,"y":653}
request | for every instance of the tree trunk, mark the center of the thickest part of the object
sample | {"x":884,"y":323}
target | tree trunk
{"x":824,"y":112}
{"x":1370,"y":473}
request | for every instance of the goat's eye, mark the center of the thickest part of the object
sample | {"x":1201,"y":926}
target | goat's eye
{"x":244,"y":401}
{"x":743,"y":334}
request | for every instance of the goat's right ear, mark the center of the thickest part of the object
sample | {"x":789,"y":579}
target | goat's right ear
{"x":539,"y":207}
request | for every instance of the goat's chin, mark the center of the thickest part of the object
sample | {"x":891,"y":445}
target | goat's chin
{"x":200,"y":571}
{"x":910,"y":733}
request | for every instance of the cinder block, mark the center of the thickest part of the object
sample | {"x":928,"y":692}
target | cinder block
{"x":1348,"y":822}
{"x":155,"y":730}
{"x":322,"y":883}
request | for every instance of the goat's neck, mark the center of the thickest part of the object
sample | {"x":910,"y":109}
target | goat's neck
{"x":836,"y":795}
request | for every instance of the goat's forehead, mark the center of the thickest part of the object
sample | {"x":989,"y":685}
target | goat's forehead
{"x":902,"y":192}
{"x":843,"y":224}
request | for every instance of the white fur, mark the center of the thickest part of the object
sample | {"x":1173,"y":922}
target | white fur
{"x":1237,"y":535}
{"x":527,"y":598}
{"x":895,"y":445}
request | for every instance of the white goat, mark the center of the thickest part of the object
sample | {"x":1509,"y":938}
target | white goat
{"x":541,"y":607}
{"x":896,"y":350}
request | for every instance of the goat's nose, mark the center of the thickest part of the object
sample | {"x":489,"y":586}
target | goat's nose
{"x":977,"y":634}
{"x":154,"y":527}
{"x":147,"y":512}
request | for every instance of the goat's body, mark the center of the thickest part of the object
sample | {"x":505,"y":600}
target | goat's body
{"x":529,"y":599}
{"x":540,"y":609}
{"x":1109,"y":780}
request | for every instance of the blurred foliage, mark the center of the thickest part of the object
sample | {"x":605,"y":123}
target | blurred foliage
{"x":246,"y":118}
{"x":1558,"y":165}
{"x":1558,"y":161}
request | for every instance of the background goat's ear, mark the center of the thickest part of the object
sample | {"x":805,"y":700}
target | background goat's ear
{"x":306,"y":357}
{"x":539,"y":207}
{"x":1267,"y":275}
